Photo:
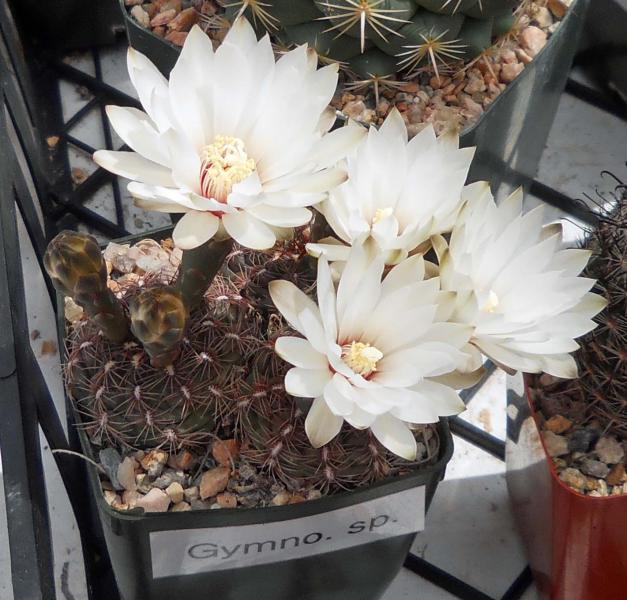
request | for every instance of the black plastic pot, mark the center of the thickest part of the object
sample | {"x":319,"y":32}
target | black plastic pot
{"x":359,"y":572}
{"x":510,"y":135}
{"x":70,"y":24}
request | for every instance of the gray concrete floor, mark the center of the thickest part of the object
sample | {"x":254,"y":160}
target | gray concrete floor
{"x":471,"y":509}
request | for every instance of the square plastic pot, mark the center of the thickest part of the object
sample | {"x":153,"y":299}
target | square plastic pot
{"x":576,"y":544}
{"x":361,"y":572}
{"x":510,"y":135}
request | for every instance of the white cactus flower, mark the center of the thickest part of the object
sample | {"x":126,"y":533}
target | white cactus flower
{"x":375,"y":352}
{"x":516,"y":285}
{"x":398,"y":193}
{"x":235,"y":141}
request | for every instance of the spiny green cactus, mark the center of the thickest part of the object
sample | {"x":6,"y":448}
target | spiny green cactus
{"x":276,"y":442}
{"x":221,"y":377}
{"x":128,"y":399}
{"x":198,"y":268}
{"x":377,"y":38}
{"x":77,"y":269}
{"x":158,"y":321}
{"x":602,"y":357}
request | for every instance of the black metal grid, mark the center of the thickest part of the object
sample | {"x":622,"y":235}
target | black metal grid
{"x":63,"y":205}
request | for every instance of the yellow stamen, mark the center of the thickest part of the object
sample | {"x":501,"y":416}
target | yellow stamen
{"x":492,"y":302}
{"x":224,"y":164}
{"x":382,"y":213}
{"x":361,"y":358}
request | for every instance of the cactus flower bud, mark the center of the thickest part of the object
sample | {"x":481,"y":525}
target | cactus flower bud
{"x":77,"y":269}
{"x":158,"y":321}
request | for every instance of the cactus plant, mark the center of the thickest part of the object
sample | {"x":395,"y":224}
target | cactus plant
{"x":129,"y":399}
{"x":602,"y":358}
{"x":187,"y":377}
{"x":375,"y":39}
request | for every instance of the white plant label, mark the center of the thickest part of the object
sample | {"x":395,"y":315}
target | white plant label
{"x":191,"y":551}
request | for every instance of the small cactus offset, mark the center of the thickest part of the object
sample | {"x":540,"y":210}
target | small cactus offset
{"x":374,"y":39}
{"x":77,"y":269}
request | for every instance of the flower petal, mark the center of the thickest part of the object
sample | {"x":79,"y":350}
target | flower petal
{"x":337,"y":144}
{"x":314,"y":329}
{"x":194,"y":229}
{"x":507,"y":358}
{"x":300,"y":353}
{"x":290,"y":301}
{"x":280,"y":216}
{"x":308,"y":183}
{"x":415,"y":407}
{"x":395,"y":435}
{"x":459,"y":380}
{"x":408,"y":272}
{"x":152,"y":88}
{"x":326,"y":298}
{"x":337,"y":394}
{"x":166,"y":199}
{"x":332,"y":252}
{"x":560,"y":365}
{"x":247,"y":193}
{"x":321,"y":424}
{"x":249,"y":231}
{"x":445,"y":400}
{"x":190,"y":88}
{"x":306,"y":383}
{"x":184,"y":161}
{"x":138,"y":131}
{"x":134,"y":166}
{"x":385,"y":231}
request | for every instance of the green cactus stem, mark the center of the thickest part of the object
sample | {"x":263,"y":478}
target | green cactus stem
{"x":77,"y":269}
{"x":158,"y":320}
{"x":376,"y":39}
{"x":198,"y":269}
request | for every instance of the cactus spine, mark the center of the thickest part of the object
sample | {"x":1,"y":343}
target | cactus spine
{"x":377,"y":38}
{"x":602,"y":358}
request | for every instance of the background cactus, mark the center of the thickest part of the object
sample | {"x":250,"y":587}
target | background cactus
{"x":77,"y":269}
{"x":598,"y":397}
{"x":185,"y":382}
{"x":375,"y":39}
{"x":602,"y":358}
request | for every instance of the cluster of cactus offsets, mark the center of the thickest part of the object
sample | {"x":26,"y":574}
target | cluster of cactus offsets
{"x":128,"y":401}
{"x":602,"y":358}
{"x":180,"y":378}
{"x":375,"y":39}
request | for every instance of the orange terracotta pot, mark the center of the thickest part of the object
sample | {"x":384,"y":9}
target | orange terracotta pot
{"x":576,"y":544}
